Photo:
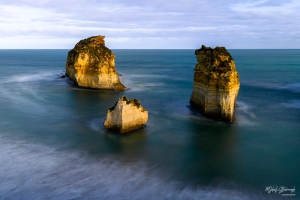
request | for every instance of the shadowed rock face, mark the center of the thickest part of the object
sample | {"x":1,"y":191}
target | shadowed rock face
{"x":126,"y":115}
{"x":216,"y":83}
{"x":92,"y":65}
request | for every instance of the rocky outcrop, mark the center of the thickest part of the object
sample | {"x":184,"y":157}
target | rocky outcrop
{"x":126,"y":115}
{"x":92,"y":65}
{"x":216,"y":83}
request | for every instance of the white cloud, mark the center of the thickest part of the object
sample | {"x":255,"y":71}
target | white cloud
{"x":261,"y":7}
{"x":253,"y":24}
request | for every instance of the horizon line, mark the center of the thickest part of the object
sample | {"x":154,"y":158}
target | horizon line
{"x":161,"y":49}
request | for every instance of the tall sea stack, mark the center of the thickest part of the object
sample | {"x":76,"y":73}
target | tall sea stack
{"x":216,"y":83}
{"x":91,"y":64}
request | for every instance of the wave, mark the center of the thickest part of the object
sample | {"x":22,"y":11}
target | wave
{"x":136,"y":85}
{"x":146,"y":76}
{"x":97,"y":124}
{"x":245,"y":108}
{"x":293,"y":87}
{"x":25,"y":95}
{"x":33,"y":171}
{"x":244,"y":114}
{"x":292,"y":104}
{"x":42,"y":76}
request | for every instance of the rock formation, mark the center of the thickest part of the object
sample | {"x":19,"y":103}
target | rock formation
{"x":216,"y":83}
{"x":92,"y":65}
{"x":126,"y":115}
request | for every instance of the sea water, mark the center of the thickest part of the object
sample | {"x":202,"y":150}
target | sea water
{"x":53,"y":144}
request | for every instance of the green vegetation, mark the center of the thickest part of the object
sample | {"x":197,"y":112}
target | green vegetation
{"x":125,"y":99}
{"x":136,"y":102}
{"x":112,"y":108}
{"x":209,"y":57}
{"x":213,"y":52}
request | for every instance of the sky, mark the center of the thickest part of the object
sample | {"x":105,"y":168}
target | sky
{"x":152,"y":24}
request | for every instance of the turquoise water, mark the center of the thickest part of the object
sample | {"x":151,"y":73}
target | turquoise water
{"x":53,"y":144}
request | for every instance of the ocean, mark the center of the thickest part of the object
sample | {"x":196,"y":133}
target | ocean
{"x":53,"y":144}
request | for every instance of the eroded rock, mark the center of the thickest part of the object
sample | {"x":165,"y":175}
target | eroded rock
{"x":92,"y":65}
{"x":216,"y":83}
{"x":126,"y":115}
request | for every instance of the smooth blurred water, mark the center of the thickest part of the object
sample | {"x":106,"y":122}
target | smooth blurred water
{"x":53,"y":144}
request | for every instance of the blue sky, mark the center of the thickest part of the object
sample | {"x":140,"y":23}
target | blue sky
{"x":139,"y":24}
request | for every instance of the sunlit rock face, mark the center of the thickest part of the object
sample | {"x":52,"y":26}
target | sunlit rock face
{"x":216,"y":83}
{"x":126,"y":115}
{"x":92,"y":65}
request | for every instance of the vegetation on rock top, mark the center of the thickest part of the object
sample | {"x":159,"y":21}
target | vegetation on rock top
{"x":213,"y":59}
{"x":213,"y":52}
{"x":133,"y":101}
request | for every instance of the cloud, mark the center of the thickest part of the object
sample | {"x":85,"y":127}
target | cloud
{"x":268,"y":7}
{"x":252,"y":24}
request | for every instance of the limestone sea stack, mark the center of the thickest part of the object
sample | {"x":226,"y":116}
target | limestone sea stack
{"x":216,"y":83}
{"x":91,"y":64}
{"x":126,"y":115}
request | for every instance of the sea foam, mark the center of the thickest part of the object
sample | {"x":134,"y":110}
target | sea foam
{"x":33,"y":171}
{"x":43,"y":76}
{"x":292,"y":104}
